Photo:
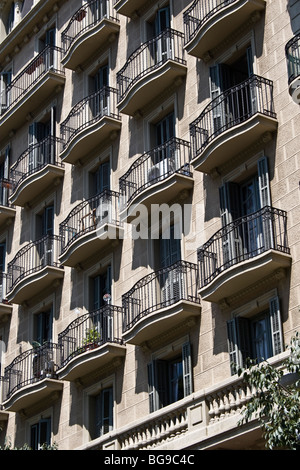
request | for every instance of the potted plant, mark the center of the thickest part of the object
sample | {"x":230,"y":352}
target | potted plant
{"x":91,"y":339}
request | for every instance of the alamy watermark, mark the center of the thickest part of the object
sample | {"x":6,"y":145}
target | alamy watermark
{"x":158,"y":221}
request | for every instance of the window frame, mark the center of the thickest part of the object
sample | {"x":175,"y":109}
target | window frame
{"x":159,"y":397}
{"x":89,"y":394}
{"x":239,"y":339}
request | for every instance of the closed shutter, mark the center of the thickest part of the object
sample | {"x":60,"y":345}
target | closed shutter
{"x":276,"y":327}
{"x":187,"y":369}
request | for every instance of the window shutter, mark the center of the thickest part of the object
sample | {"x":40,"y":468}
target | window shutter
{"x":151,"y":387}
{"x":105,"y":176}
{"x":239,"y":344}
{"x":44,"y":431}
{"x":187,"y":369}
{"x":234,"y":356}
{"x":106,"y":410}
{"x":160,"y":381}
{"x":229,"y":211}
{"x":263,"y":182}
{"x":276,"y":327}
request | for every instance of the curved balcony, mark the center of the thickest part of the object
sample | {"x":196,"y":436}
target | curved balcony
{"x":242,"y":253}
{"x":233,"y":121}
{"x":31,"y":378}
{"x":41,"y":78}
{"x":88,"y":343}
{"x":7,"y":210}
{"x":129,"y":8}
{"x":160,"y":301}
{"x":91,"y":121}
{"x":292,"y":53}
{"x":153,"y":67}
{"x":92,"y":26}
{"x":91,"y":226}
{"x":34,"y":268}
{"x":156,"y":177}
{"x":36,"y":169}
{"x":209,"y":22}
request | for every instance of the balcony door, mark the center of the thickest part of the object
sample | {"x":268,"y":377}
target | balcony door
{"x":225,"y":76}
{"x":248,"y":236}
{"x":2,"y":270}
{"x":47,"y":43}
{"x":170,"y":278}
{"x":44,"y":232}
{"x":5,"y":80}
{"x":164,"y":42}
{"x":163,"y":162}
{"x":41,"y":149}
{"x":99,"y":101}
{"x":100,"y":289}
{"x":4,"y":176}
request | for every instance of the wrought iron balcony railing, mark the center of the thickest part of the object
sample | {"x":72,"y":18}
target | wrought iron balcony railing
{"x":88,"y":216}
{"x":88,"y":111}
{"x":32,"y":258}
{"x":47,"y":60}
{"x":292,"y":53}
{"x":231,"y":108}
{"x":30,"y":367}
{"x":34,"y":159}
{"x":155,"y":166}
{"x":199,"y":13}
{"x":168,"y":45}
{"x":85,"y":18}
{"x":158,"y":290}
{"x":241,"y":240}
{"x":89,"y":331}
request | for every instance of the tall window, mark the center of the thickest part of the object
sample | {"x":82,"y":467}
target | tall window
{"x":40,"y":434}
{"x":242,"y":199}
{"x":170,"y":377}
{"x":43,"y":326}
{"x":256,"y":337}
{"x":101,"y":412}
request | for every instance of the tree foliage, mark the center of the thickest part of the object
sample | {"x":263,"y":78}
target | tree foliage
{"x":275,"y":402}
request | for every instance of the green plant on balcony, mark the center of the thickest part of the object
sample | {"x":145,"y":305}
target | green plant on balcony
{"x":92,"y":338}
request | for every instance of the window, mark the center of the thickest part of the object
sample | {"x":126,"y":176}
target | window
{"x":4,"y":176}
{"x":98,"y":83}
{"x":40,"y":145}
{"x":99,"y":286}
{"x":225,"y":76}
{"x":170,"y":377}
{"x":243,"y":199}
{"x":5,"y":80}
{"x":256,"y":337}
{"x":99,"y":179}
{"x":43,"y":326}
{"x":2,"y":270}
{"x":163,"y":157}
{"x":45,"y":222}
{"x":40,"y":434}
{"x":101,"y":412}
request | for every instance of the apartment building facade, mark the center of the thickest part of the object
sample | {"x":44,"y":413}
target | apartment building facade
{"x":149,"y":218}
